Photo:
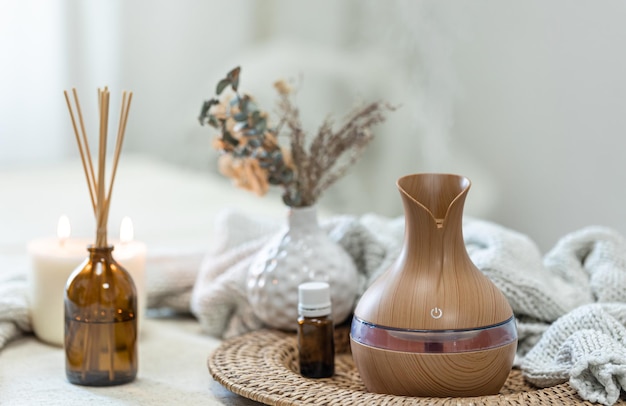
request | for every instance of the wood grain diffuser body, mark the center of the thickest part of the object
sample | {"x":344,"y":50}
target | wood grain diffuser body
{"x":433,"y":324}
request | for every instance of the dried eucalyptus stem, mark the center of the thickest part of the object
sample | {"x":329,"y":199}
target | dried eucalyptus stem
{"x":254,"y":159}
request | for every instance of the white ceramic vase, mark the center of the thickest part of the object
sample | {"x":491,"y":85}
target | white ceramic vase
{"x":301,"y":252}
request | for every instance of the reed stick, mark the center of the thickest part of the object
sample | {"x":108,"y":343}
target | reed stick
{"x":111,"y":339}
{"x":92,"y":185}
{"x":120,"y":140}
{"x":81,"y":149}
{"x":101,"y":213}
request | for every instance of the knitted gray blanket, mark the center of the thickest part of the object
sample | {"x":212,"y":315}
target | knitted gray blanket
{"x":570,"y":305}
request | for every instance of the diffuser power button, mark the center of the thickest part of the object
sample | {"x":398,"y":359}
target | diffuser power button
{"x":436,"y":313}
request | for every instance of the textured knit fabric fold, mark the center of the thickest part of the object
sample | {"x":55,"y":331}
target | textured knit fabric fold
{"x":586,"y":346}
{"x":14,"y":309}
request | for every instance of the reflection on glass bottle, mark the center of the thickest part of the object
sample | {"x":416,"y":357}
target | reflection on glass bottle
{"x":100,"y":322}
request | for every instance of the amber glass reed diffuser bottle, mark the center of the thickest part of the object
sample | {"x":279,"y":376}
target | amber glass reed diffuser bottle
{"x":100,"y":322}
{"x":100,"y":296}
{"x":316,"y":346}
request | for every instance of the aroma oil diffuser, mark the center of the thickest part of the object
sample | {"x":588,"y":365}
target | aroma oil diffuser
{"x":433,"y":324}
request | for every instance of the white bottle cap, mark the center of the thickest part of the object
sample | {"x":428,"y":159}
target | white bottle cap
{"x":314,"y":299}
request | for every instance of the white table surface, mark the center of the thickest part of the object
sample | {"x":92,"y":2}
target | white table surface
{"x":172,"y":371}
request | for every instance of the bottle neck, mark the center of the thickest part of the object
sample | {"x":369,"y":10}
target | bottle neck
{"x":100,"y":252}
{"x":434,"y":228}
{"x":303,"y":220}
{"x":314,"y":311}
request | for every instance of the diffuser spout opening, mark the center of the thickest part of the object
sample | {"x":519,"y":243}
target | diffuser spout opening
{"x":435,"y":193}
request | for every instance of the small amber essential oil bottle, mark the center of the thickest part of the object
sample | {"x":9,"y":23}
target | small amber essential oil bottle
{"x":316,"y":345}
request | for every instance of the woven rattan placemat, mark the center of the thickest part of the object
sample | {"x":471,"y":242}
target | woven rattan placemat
{"x":263,"y":366}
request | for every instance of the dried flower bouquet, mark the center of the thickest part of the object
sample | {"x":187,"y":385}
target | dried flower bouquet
{"x":255,"y":159}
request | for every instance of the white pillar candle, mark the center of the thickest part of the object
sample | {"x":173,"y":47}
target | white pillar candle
{"x":52,"y":262}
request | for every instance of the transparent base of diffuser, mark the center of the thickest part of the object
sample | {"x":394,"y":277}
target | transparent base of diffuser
{"x":433,"y":341}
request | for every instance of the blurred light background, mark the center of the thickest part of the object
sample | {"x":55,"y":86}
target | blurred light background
{"x":524,"y":98}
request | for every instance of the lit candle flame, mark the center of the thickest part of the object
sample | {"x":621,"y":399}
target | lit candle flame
{"x":126,"y":230}
{"x":63,"y":229}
